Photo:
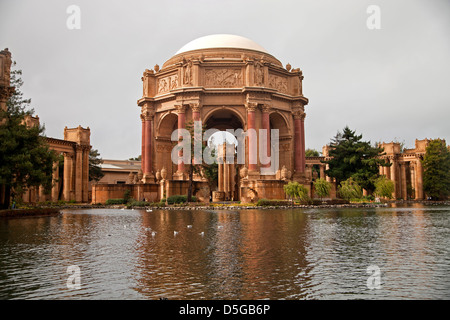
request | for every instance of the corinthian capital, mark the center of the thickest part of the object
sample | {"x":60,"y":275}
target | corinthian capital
{"x":251,"y":106}
{"x":266,"y":108}
{"x":299,"y":114}
{"x":180,"y":108}
{"x":195,"y":107}
{"x":147,"y":112}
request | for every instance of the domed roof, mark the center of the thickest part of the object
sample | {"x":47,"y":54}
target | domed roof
{"x":221,"y":41}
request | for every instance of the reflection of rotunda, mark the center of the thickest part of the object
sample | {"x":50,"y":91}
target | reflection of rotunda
{"x":227,"y":82}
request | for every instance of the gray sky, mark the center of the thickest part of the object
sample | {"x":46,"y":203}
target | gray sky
{"x":387,"y":84}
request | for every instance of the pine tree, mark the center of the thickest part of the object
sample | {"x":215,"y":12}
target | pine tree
{"x":436,"y":166}
{"x":25,"y":158}
{"x":353,"y":158}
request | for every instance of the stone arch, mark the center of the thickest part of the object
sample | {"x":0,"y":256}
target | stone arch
{"x":279,"y":121}
{"x":163,"y":144}
{"x":224,"y":110}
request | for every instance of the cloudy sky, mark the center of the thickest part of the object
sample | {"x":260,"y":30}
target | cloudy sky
{"x":388,"y":84}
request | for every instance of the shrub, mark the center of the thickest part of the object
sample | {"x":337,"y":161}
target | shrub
{"x":115,"y":201}
{"x":177,"y":199}
{"x":350,"y":189}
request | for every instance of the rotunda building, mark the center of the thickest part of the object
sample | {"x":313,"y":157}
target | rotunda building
{"x":227,"y":82}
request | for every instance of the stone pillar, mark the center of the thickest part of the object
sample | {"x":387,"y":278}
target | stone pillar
{"x":413,"y":177}
{"x":147,"y":117}
{"x":322,"y":172}
{"x":252,"y":138}
{"x":181,"y":110}
{"x":386,"y":172}
{"x":404,"y":189}
{"x":265,"y":124}
{"x":327,"y":167}
{"x":85,"y":174}
{"x":55,"y":182}
{"x":143,"y":144}
{"x":41,"y":194}
{"x":220,"y":177}
{"x":78,"y":174}
{"x":394,"y":177}
{"x":67,"y":182}
{"x":299,"y":141}
{"x":195,"y":111}
{"x":419,"y":180}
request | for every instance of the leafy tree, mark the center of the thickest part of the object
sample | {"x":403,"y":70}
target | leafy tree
{"x":436,"y":166}
{"x":312,"y":153}
{"x":384,"y":187}
{"x":353,"y":158}
{"x":322,"y":187}
{"x":25,"y":158}
{"x":95,"y":171}
{"x":295,"y":190}
{"x":349,"y":189}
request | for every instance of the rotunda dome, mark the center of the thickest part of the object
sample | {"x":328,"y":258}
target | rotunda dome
{"x":221,"y":41}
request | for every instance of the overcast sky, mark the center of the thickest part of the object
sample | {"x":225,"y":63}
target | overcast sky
{"x":388,"y":84}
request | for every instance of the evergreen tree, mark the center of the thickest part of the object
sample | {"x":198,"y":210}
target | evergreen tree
{"x":25,"y":158}
{"x":353,"y":158}
{"x":436,"y":166}
{"x":95,"y":171}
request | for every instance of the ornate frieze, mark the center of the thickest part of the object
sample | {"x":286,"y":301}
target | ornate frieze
{"x":223,"y":77}
{"x":278,"y":83}
{"x":167,"y":83}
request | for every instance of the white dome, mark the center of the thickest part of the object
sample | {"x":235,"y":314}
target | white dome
{"x":221,"y":41}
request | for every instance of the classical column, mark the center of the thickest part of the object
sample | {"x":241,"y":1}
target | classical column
{"x":195,"y":111}
{"x":252,"y":137}
{"x":55,"y":182}
{"x":419,"y":180}
{"x":412,"y":170}
{"x":67,"y":182}
{"x":386,"y":172}
{"x":147,"y":115}
{"x":41,"y":194}
{"x":220,"y":177}
{"x":78,"y":174}
{"x":143,"y":143}
{"x":265,"y":124}
{"x":404,"y":192}
{"x":394,"y":176}
{"x":327,"y":167}
{"x":85,"y":173}
{"x":299,"y":141}
{"x":181,"y":111}
{"x":322,"y":172}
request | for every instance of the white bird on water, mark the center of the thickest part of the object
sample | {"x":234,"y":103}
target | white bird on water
{"x":175,"y":233}
{"x":189,"y":226}
{"x":153,"y":233}
{"x":149,"y":210}
{"x":202,"y":233}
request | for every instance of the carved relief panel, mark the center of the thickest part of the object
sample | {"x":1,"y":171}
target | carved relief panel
{"x":278,"y":83}
{"x":223,"y":77}
{"x":167,"y":83}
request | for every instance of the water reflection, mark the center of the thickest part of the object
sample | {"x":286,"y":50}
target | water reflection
{"x":249,"y":254}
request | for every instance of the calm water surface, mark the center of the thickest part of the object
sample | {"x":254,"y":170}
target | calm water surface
{"x":248,"y":254}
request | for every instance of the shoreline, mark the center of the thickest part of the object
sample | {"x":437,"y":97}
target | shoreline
{"x":54,"y":210}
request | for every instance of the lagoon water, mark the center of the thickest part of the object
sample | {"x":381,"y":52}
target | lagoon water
{"x":223,"y":254}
